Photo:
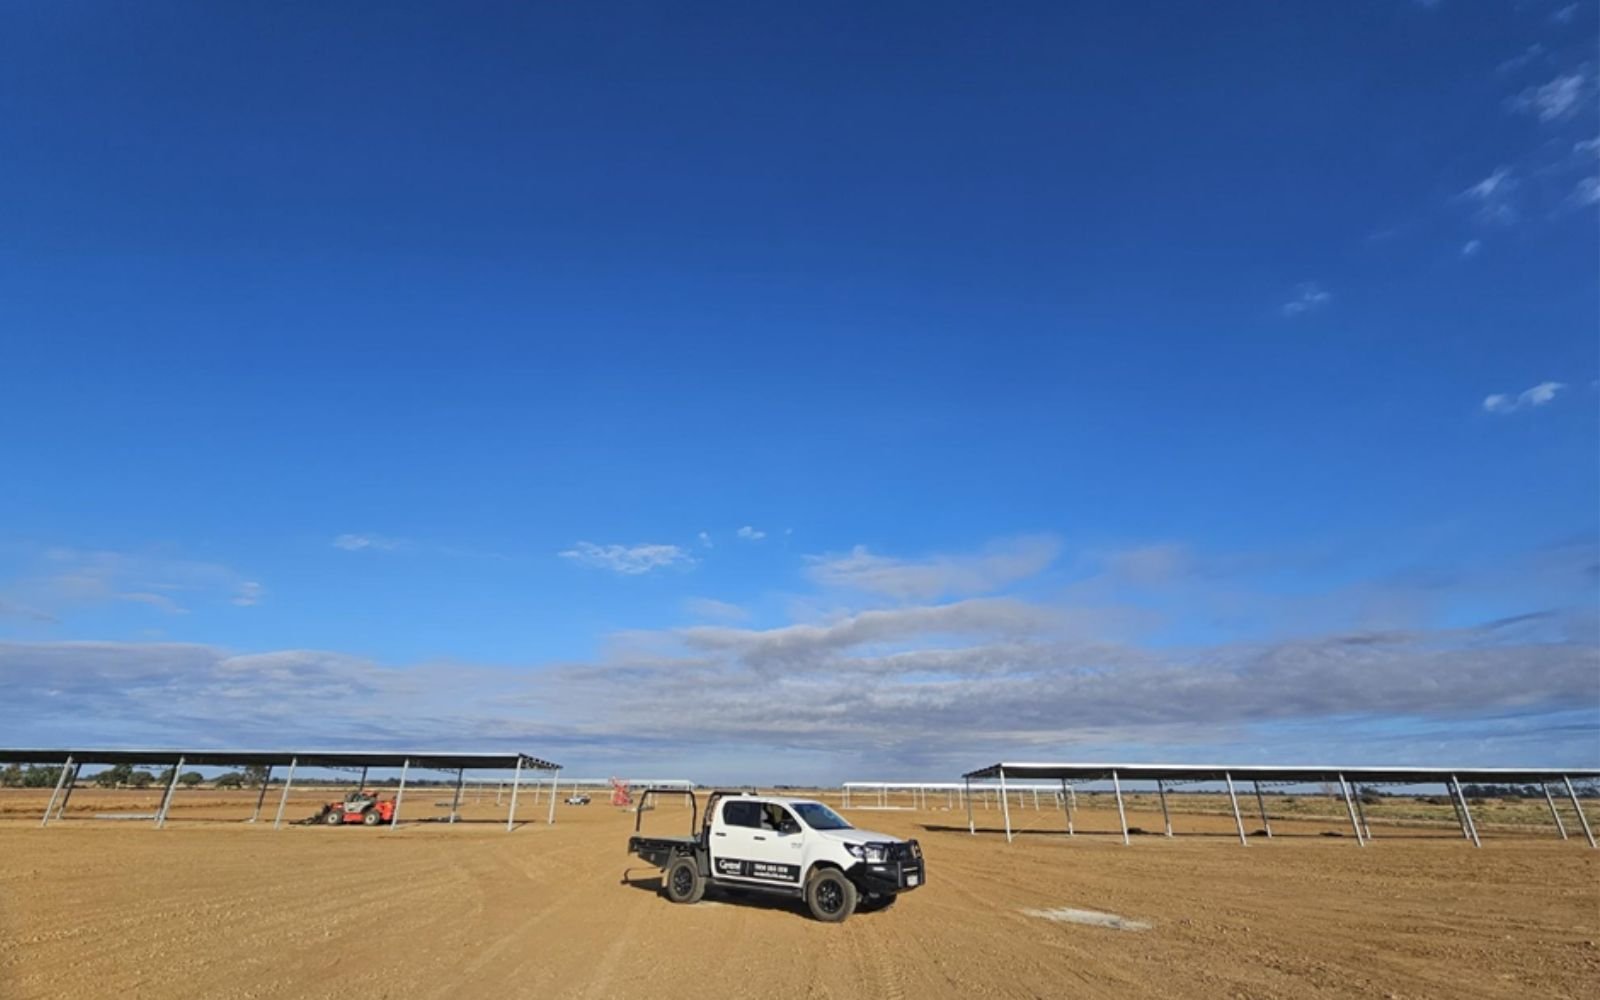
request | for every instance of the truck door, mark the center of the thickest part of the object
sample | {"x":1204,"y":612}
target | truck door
{"x":757,"y":842}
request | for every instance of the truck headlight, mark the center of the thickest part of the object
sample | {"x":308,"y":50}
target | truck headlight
{"x":874,"y":854}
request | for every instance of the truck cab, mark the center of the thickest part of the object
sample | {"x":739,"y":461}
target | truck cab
{"x":797,"y":847}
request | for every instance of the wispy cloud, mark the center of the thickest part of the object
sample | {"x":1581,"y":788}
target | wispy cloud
{"x":1555,"y":100}
{"x":59,"y":579}
{"x":704,"y":539}
{"x":929,"y":577}
{"x":1308,"y":297}
{"x":711,"y":608}
{"x":1564,"y":15}
{"x":366,"y":542}
{"x":628,"y":560}
{"x":1471,"y":248}
{"x":1538,"y":395}
{"x":250,"y":594}
{"x":1493,"y":197}
{"x":1586,"y":192}
{"x":751,"y":534}
{"x":21,"y":612}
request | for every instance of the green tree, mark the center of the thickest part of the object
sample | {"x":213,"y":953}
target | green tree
{"x":141,"y":779}
{"x":232,"y":779}
{"x":11,"y":777}
{"x":40,"y":776}
{"x":114,"y":777}
{"x":255,"y":775}
{"x":189,"y":779}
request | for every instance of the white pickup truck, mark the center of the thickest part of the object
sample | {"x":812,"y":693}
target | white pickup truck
{"x":797,"y":847}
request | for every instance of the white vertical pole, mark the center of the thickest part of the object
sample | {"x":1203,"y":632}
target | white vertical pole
{"x":555,"y":780}
{"x":283,"y":800}
{"x":1234,"y":798}
{"x":1035,"y":800}
{"x":516,"y":781}
{"x":1361,"y":811}
{"x":66,"y":796}
{"x":1166,"y":817}
{"x":1466,"y":811}
{"x":1261,"y":803}
{"x":400,"y":794}
{"x":60,"y":778}
{"x":1122,"y":815}
{"x":971,"y":828}
{"x":1561,"y":827}
{"x":166,"y":801}
{"x":1579,"y":807}
{"x":1461,"y":820}
{"x":1005,"y":804}
{"x":1350,"y":807}
{"x":455,"y":802}
{"x":1066,"y":806}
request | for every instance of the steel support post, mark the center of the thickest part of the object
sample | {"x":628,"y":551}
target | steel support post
{"x":1065,"y":807}
{"x":1578,"y":806}
{"x":66,"y":796}
{"x":1561,"y":827}
{"x":363,"y":785}
{"x":400,"y":795}
{"x":1238,"y":820}
{"x":1005,"y":804}
{"x":283,"y":799}
{"x":1466,"y":811}
{"x":1261,"y":803}
{"x":1361,"y":812}
{"x":971,"y":827}
{"x":455,"y":801}
{"x":1166,"y":817}
{"x":1461,"y":820}
{"x":1350,"y":807}
{"x":263,"y":796}
{"x":60,"y":779}
{"x":166,"y":800}
{"x":516,"y":782}
{"x":555,"y":786}
{"x":1122,"y":815}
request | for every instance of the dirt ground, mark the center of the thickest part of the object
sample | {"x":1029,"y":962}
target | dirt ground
{"x":213,"y":907}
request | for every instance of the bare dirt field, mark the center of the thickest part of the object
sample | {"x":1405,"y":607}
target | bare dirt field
{"x":213,"y":907}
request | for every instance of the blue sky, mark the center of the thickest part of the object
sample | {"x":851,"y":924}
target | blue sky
{"x":758,"y":392}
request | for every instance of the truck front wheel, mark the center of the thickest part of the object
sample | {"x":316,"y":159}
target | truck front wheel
{"x":830,"y":895}
{"x":683,"y":882}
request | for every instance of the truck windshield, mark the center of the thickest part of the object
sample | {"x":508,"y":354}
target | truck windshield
{"x":820,"y":817}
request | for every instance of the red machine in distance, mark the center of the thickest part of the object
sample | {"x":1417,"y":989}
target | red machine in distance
{"x":363,"y":808}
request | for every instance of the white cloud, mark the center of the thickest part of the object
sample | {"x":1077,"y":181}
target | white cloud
{"x":1493,"y":195}
{"x":1522,"y":59}
{"x":63,"y":578}
{"x":934,"y":576}
{"x":249,"y":595}
{"x":629,"y":560}
{"x":1556,"y":100}
{"x":710,"y":607}
{"x":1538,"y":395}
{"x":1471,"y":248}
{"x":750,"y":534}
{"x":1564,"y":15}
{"x":1586,"y":192}
{"x":1307,"y":297}
{"x":367,"y":542}
{"x":705,"y":539}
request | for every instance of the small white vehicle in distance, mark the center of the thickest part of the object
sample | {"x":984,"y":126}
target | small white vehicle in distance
{"x":796,"y":847}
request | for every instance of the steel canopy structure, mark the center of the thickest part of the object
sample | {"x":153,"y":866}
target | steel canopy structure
{"x":71,"y":761}
{"x":1163,"y":774}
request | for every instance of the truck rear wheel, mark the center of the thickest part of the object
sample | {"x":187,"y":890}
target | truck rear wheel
{"x":682,"y":882}
{"x":830,"y":895}
{"x":334,"y":818}
{"x":371,"y":818}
